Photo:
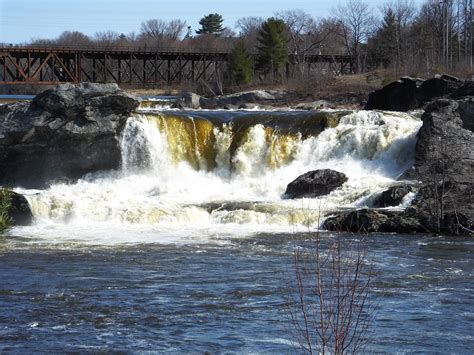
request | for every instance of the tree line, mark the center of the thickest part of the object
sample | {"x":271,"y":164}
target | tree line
{"x":409,"y":39}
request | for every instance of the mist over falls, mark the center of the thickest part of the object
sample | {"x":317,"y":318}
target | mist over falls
{"x":231,"y":169}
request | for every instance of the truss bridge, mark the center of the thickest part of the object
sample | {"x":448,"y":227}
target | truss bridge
{"x":135,"y":67}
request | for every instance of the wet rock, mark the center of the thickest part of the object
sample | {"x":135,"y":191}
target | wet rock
{"x":367,"y":221}
{"x":393,"y":196}
{"x":315,"y":183}
{"x":20,"y":211}
{"x":63,"y":134}
{"x":190,"y":100}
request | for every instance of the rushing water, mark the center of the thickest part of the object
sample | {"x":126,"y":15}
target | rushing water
{"x":188,"y":247}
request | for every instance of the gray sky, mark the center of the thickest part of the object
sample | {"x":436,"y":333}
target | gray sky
{"x":22,"y":20}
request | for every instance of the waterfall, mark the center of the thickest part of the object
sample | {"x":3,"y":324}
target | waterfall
{"x":213,"y":170}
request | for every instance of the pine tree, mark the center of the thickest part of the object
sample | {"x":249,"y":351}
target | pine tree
{"x":386,"y":40}
{"x":240,"y":69}
{"x":272,"y":49}
{"x":211,"y":24}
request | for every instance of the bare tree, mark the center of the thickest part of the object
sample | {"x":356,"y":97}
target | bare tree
{"x":330,"y":310}
{"x":356,"y":23}
{"x":156,"y":28}
{"x":248,"y":29}
{"x":107,"y":38}
{"x":303,"y":35}
{"x":73,"y":39}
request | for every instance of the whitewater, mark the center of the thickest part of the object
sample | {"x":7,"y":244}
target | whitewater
{"x":197,"y":177}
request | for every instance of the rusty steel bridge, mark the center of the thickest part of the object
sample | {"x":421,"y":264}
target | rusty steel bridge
{"x":136,"y":67}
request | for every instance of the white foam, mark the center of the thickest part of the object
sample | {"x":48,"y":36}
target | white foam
{"x":154,"y":200}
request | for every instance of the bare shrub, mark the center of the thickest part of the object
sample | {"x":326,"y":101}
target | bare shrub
{"x":330,"y":310}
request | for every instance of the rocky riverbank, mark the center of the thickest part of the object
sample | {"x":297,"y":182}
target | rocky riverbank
{"x":444,"y":166}
{"x":62,"y":134}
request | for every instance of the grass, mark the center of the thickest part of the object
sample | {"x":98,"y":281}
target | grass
{"x":5,"y":203}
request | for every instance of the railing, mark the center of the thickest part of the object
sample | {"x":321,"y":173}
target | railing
{"x":9,"y":47}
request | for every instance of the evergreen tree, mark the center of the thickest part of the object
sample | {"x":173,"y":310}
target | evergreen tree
{"x":240,"y":69}
{"x":385,"y":41}
{"x":272,"y":48}
{"x":211,"y":24}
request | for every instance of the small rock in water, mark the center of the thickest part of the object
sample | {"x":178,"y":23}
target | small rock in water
{"x":393,"y":196}
{"x":315,"y":183}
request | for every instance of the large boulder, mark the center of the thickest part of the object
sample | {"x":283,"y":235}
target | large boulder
{"x":367,"y":221}
{"x":315,"y":183}
{"x":438,"y":86}
{"x":63,"y":134}
{"x":399,"y":95}
{"x":392,"y":196}
{"x":20,"y":212}
{"x":410,"y":93}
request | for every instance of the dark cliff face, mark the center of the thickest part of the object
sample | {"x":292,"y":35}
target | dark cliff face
{"x":62,"y":134}
{"x":444,"y":161}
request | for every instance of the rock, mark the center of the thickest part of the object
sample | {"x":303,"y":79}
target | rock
{"x":20,"y":211}
{"x":467,"y":89}
{"x":393,"y":196}
{"x":397,"y":96}
{"x":189,"y":100}
{"x":444,"y":162}
{"x":438,"y":86}
{"x":410,"y":93}
{"x":315,"y":183}
{"x":466,"y":112}
{"x":315,"y":105}
{"x":367,"y":221}
{"x":63,"y":134}
{"x":248,"y":106}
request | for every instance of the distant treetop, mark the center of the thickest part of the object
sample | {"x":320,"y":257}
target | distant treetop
{"x":211,"y":24}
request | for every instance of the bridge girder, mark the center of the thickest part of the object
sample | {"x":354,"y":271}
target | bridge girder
{"x":139,"y":68}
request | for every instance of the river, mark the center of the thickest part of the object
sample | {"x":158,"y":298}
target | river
{"x":189,"y":246}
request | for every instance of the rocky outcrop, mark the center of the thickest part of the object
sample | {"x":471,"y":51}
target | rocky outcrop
{"x":412,"y":93}
{"x":367,"y":221}
{"x":444,"y":162}
{"x":62,"y":134}
{"x":399,"y":95}
{"x":393,"y":196}
{"x":315,"y":183}
{"x":438,"y":86}
{"x":189,"y":100}
{"x":444,"y":165}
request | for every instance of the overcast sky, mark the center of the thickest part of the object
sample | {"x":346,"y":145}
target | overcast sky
{"x":22,"y":20}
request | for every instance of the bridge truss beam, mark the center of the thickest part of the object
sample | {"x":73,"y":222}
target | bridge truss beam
{"x":136,"y":68}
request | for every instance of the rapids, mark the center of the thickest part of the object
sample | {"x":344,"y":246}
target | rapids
{"x":205,"y":174}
